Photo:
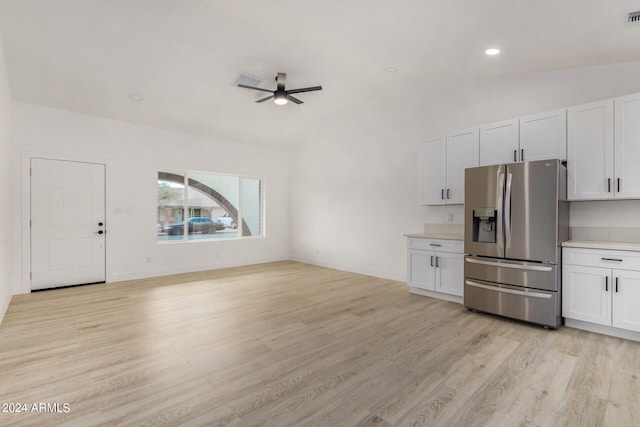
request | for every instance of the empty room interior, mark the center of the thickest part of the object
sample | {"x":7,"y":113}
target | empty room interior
{"x":299,"y":213}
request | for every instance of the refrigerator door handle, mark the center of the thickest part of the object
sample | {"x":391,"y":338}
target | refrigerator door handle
{"x":507,"y":211}
{"x":509,"y":265}
{"x":508,"y":291}
{"x":499,"y":206}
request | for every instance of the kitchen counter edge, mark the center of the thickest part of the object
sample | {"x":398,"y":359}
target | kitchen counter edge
{"x":442,"y":236}
{"x":595,"y":244}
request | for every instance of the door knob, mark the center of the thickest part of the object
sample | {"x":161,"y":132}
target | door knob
{"x":99,"y":232}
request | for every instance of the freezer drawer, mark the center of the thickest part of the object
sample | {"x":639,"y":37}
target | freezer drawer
{"x":519,"y":273}
{"x":530,"y":305}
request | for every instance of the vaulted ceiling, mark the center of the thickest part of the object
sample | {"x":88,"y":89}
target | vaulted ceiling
{"x":370,"y":56}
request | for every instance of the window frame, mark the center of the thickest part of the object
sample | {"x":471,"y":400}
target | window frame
{"x":186,"y":209}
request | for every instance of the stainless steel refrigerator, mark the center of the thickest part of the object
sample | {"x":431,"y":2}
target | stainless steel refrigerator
{"x":516,"y":218}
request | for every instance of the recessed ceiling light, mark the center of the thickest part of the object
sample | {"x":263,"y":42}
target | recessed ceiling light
{"x":136,"y":98}
{"x":492,"y":51}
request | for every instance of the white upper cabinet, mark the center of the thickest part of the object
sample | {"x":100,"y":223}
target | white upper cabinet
{"x":627,"y":146}
{"x":544,"y":136}
{"x":442,"y":164}
{"x":603,"y":149}
{"x":462,"y":152}
{"x":499,"y":142}
{"x":590,"y":151}
{"x":433,"y":171}
{"x":536,"y":137}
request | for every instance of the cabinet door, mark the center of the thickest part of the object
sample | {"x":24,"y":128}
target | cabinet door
{"x":544,"y":136}
{"x":627,"y":146}
{"x":421,"y":268}
{"x":499,"y":143}
{"x":432,"y":172}
{"x":449,"y":273}
{"x":586,"y":294}
{"x":462,"y":152}
{"x":590,"y":151}
{"x":626,"y":300}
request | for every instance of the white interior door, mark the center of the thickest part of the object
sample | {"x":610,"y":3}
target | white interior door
{"x":67,"y":223}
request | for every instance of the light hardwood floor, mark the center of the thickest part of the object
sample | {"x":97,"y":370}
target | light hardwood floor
{"x":288,"y":344}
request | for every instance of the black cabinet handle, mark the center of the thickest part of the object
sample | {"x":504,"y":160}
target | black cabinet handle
{"x":515,"y":155}
{"x":608,"y":185}
{"x":448,"y":193}
{"x":616,"y":284}
{"x":606,"y":284}
{"x":431,"y":260}
{"x":442,"y":194}
{"x":611,"y":259}
{"x":618,"y":185}
{"x":437,"y":261}
{"x":435,"y":244}
{"x":522,"y":155}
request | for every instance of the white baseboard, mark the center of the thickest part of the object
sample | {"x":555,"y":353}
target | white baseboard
{"x":438,"y":295}
{"x":602,"y":329}
{"x":3,"y":309}
{"x":190,"y":269}
{"x":349,"y":268}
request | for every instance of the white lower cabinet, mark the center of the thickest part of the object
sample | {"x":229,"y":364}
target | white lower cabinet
{"x":435,"y":265}
{"x":602,"y":287}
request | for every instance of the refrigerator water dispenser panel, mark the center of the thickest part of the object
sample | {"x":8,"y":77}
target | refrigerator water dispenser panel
{"x":484,"y":225}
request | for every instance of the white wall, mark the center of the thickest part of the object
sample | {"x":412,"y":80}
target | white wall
{"x":354,"y":190}
{"x":134,"y":154}
{"x":5,"y":187}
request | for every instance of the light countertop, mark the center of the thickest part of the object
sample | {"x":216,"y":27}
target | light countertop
{"x":436,"y":235}
{"x":440,"y":231}
{"x":595,"y":244}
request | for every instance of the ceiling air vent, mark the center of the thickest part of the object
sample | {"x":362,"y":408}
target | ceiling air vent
{"x":246,"y":79}
{"x":633,"y":18}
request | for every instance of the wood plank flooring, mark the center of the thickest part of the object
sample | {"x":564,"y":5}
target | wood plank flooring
{"x":288,"y":344}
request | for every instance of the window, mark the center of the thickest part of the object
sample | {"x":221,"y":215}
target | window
{"x":216,"y":206}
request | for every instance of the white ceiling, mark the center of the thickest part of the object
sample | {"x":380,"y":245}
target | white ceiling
{"x":181,"y":56}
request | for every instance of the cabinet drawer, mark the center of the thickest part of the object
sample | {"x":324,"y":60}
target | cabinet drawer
{"x":440,"y":245}
{"x":622,"y":260}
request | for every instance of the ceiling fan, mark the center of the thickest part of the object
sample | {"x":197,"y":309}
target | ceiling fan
{"x":281,"y":96}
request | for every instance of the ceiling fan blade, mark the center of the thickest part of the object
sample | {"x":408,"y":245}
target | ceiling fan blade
{"x":305,"y":89}
{"x":265,"y":99}
{"x":281,"y":80}
{"x":294,"y":99}
{"x":254,"y":88}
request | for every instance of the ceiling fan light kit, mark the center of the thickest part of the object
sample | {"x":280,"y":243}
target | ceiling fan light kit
{"x":281,"y":96}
